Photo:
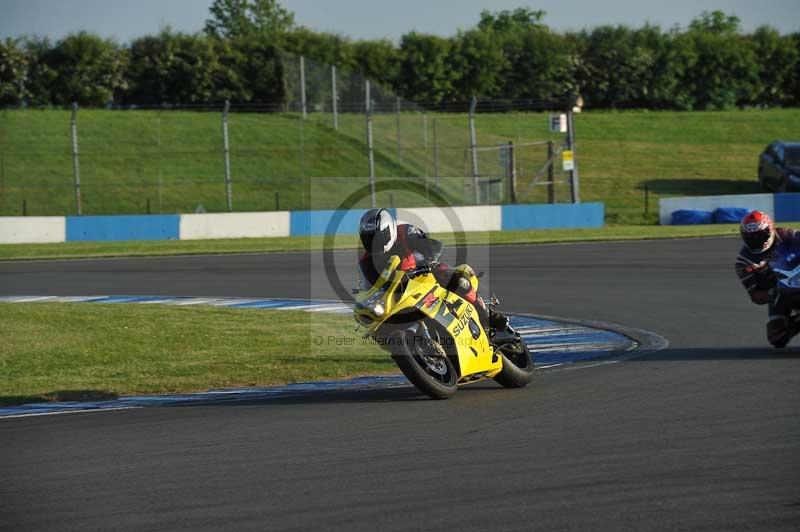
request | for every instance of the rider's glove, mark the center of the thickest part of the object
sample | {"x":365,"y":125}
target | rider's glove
{"x":432,"y":264}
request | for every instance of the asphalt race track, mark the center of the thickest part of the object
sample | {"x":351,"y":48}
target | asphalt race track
{"x":701,"y":436}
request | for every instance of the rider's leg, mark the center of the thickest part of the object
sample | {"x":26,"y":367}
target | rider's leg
{"x":778,"y":333}
{"x":779,"y":327}
{"x":465,"y":290}
{"x":487,"y":316}
{"x":457,"y":282}
{"x":794,"y":324}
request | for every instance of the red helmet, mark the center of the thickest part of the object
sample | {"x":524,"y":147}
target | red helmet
{"x":758,"y":231}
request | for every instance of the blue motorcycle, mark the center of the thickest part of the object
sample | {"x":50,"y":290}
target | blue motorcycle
{"x":785,"y":263}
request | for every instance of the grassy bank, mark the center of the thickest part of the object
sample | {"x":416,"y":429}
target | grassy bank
{"x":76,"y":250}
{"x":674,"y":154}
{"x":62,"y":351}
{"x":173,"y":161}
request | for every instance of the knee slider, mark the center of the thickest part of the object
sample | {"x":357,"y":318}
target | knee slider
{"x":464,"y":285}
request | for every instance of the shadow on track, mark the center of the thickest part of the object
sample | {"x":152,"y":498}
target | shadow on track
{"x":59,"y":396}
{"x":376,"y":395}
{"x":393,"y":394}
{"x":363,"y":396}
{"x":720,"y":353}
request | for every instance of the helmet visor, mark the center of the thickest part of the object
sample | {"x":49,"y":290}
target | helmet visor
{"x":757,"y":240}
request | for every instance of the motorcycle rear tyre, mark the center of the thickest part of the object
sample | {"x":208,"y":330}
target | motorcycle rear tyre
{"x":517,"y":373}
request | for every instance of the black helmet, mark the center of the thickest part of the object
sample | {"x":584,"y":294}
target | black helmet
{"x":378,"y":231}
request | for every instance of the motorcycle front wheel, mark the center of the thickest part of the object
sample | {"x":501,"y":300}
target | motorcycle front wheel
{"x":435,"y":376}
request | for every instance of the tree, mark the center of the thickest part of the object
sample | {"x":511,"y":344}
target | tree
{"x":259,"y":69}
{"x":378,"y":60}
{"x":242,"y":18}
{"x":171,"y":68}
{"x":777,"y":58}
{"x":793,"y":83}
{"x":328,"y":48}
{"x":509,"y":54}
{"x":84,"y":68}
{"x":539,"y":66}
{"x":424,"y":73}
{"x":534,"y":63}
{"x":477,"y":62}
{"x":40,"y":76}
{"x":509,"y":21}
{"x":724,"y":71}
{"x":227,"y":77}
{"x":13,"y":72}
{"x":179,"y":68}
{"x":320,"y":50}
{"x":671,"y":59}
{"x":619,"y":66}
{"x":716,"y":22}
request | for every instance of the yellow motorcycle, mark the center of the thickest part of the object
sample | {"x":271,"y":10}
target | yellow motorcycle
{"x":434,"y":335}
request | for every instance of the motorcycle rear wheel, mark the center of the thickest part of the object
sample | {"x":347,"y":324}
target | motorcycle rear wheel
{"x":435,"y":377}
{"x":517,"y":369}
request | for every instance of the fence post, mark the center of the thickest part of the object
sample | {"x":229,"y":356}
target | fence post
{"x":425,"y":128}
{"x":370,"y":146}
{"x":303,"y":85}
{"x":335,"y":98}
{"x":435,"y":153}
{"x":574,"y":181}
{"x":227,"y":148}
{"x":397,"y":125}
{"x":473,"y":142}
{"x":512,"y":172}
{"x":158,"y":162}
{"x":76,"y":170}
{"x":551,"y":191}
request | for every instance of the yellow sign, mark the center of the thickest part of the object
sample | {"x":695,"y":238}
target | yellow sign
{"x":568,"y":163}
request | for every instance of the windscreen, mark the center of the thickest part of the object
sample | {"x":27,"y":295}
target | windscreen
{"x":787,"y":255}
{"x":792,"y":156}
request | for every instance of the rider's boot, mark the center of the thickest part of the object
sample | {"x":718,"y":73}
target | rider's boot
{"x":496,"y":320}
{"x":794,"y":325}
{"x":489,"y":318}
{"x":483,"y":312}
{"x":781,"y":329}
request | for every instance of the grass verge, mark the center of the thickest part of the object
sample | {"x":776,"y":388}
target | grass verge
{"x":78,"y":250}
{"x":64,"y":351}
{"x":168,"y":162}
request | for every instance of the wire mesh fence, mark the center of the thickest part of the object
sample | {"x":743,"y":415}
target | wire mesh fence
{"x":308,"y":152}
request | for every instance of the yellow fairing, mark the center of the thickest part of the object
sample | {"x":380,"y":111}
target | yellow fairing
{"x":467,"y":338}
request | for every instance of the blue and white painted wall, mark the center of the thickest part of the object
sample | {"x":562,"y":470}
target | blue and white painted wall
{"x":781,"y":207}
{"x":234,"y":225}
{"x":30,"y":229}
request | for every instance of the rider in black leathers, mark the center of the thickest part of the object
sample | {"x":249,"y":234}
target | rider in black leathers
{"x":761,"y":237}
{"x":382,"y":237}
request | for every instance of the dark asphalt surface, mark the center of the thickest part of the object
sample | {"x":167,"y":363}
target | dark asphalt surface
{"x":701,"y":436}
